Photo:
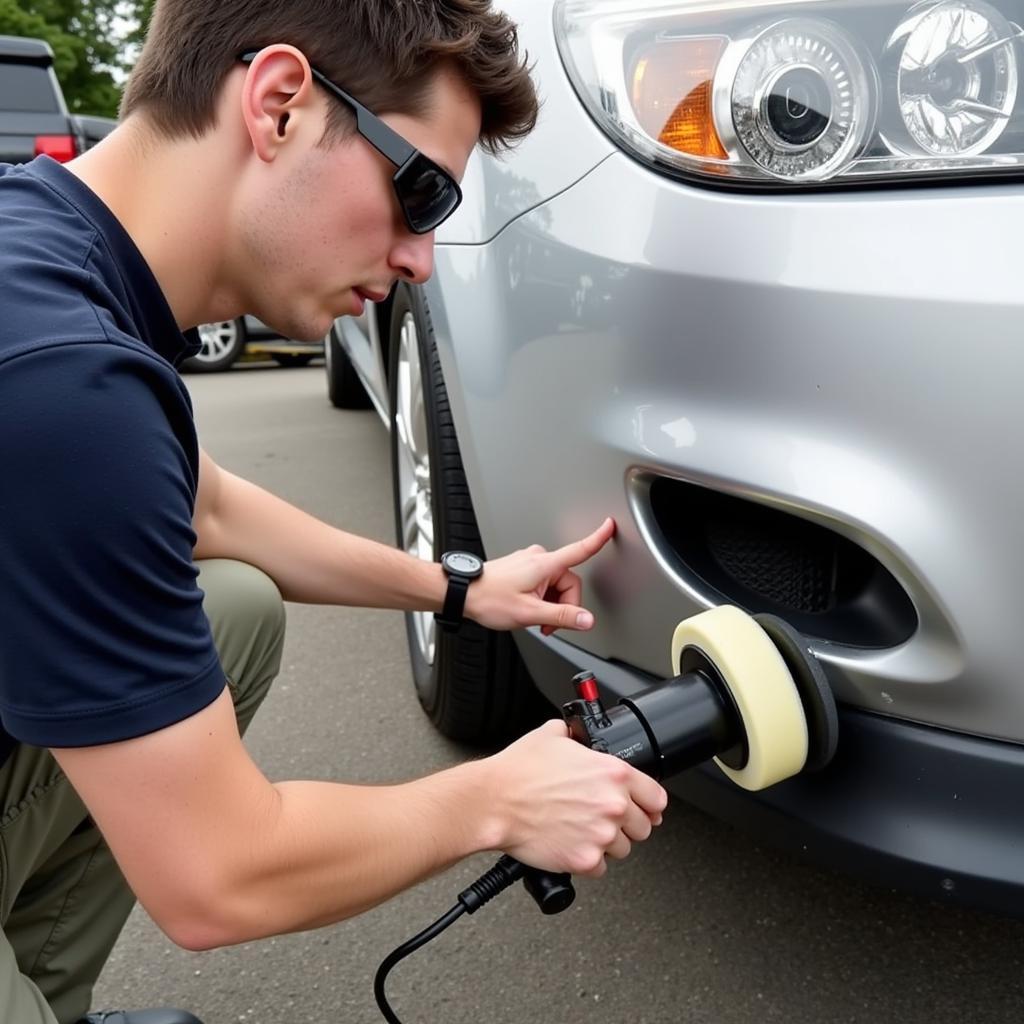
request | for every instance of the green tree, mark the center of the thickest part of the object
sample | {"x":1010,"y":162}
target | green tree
{"x":15,"y":20}
{"x":91,"y":47}
{"x":142,"y":13}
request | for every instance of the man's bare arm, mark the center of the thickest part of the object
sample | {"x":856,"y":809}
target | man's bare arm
{"x":310,"y":561}
{"x":315,"y":563}
{"x":218,"y":855}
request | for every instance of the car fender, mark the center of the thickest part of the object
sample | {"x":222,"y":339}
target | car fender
{"x":564,"y":146}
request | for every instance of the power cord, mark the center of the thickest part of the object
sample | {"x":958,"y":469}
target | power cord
{"x":506,"y":872}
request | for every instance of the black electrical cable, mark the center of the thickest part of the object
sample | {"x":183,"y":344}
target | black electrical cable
{"x":507,"y":871}
{"x":403,"y":951}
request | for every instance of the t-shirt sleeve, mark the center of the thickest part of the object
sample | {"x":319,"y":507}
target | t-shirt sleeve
{"x":103,"y":633}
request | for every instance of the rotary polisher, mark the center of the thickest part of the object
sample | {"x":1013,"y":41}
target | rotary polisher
{"x":747,"y":692}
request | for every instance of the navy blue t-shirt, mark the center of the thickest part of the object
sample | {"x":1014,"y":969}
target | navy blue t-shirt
{"x":102,"y":630}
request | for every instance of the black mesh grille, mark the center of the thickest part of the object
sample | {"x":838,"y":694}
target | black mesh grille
{"x":785,"y":569}
{"x":765,"y":559}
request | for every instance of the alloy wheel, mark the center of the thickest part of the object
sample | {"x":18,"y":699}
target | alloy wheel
{"x":218,"y":340}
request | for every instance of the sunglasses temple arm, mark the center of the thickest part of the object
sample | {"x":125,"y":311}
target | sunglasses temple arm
{"x":388,"y":143}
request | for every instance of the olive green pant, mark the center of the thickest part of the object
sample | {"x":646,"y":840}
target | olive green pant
{"x":63,"y":900}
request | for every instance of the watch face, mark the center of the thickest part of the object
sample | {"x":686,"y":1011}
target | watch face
{"x":463,"y":563}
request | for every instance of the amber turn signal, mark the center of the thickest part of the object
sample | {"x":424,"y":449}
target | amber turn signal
{"x":671,"y":94}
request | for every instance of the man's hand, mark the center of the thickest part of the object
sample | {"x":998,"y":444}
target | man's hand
{"x":534,"y":587}
{"x":565,"y":807}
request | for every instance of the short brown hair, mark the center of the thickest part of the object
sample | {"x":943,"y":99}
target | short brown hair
{"x":383,"y":52}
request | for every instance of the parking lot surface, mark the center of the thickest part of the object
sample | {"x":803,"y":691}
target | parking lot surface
{"x":700,"y":926}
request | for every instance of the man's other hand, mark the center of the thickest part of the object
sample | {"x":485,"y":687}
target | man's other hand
{"x":535,"y":587}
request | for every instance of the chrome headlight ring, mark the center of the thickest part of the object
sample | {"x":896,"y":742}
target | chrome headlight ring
{"x":796,"y":97}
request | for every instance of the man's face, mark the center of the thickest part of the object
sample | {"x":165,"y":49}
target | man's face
{"x":327,"y":231}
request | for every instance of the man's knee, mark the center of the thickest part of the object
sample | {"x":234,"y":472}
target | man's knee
{"x":242,"y":592}
{"x":247,"y":618}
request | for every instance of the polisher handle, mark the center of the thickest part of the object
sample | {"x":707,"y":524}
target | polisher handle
{"x":551,"y":891}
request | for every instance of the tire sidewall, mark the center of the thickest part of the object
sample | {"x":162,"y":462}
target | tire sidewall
{"x":344,"y":388}
{"x":426,"y":677}
{"x":477,"y":690}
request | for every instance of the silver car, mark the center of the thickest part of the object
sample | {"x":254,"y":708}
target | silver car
{"x":750,"y":288}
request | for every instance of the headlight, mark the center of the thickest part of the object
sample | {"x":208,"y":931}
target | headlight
{"x":955,"y":77}
{"x":804,"y":92}
{"x":796,"y":98}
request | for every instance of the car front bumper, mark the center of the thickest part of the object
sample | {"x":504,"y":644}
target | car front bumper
{"x":851,"y":360}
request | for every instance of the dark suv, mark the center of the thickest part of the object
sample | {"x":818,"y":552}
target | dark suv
{"x":34,"y":118}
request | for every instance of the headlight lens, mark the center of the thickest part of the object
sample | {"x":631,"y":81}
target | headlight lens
{"x":807,"y":92}
{"x":797,"y":98}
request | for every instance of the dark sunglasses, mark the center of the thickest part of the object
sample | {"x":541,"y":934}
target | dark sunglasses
{"x":427,"y":193}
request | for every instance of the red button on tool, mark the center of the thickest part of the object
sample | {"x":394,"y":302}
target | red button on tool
{"x":586,"y":688}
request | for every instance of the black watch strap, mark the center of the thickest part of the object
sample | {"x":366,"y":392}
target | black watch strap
{"x":450,"y":617}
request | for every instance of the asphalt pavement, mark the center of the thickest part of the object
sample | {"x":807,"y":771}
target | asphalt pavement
{"x":700,"y":926}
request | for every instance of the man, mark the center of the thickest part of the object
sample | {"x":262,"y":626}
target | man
{"x":254,"y":171}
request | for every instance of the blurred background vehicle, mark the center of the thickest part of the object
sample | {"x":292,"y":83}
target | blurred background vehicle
{"x":93,"y":128}
{"x":748,"y":288}
{"x":226,"y":342}
{"x":34,"y":118}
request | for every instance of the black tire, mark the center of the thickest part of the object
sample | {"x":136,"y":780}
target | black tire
{"x":477,"y":690}
{"x":291,"y":358}
{"x":223,"y":343}
{"x":344,"y":388}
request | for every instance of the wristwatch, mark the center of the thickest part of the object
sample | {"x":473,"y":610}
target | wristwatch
{"x":461,"y":568}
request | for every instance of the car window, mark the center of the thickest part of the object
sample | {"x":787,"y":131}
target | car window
{"x":27,"y":88}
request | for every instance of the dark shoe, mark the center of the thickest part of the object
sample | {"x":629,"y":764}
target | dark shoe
{"x":139,"y":1017}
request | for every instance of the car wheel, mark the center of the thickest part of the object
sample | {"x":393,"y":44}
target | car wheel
{"x":291,"y":358}
{"x":223,"y":343}
{"x":472,"y":684}
{"x":344,"y":388}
